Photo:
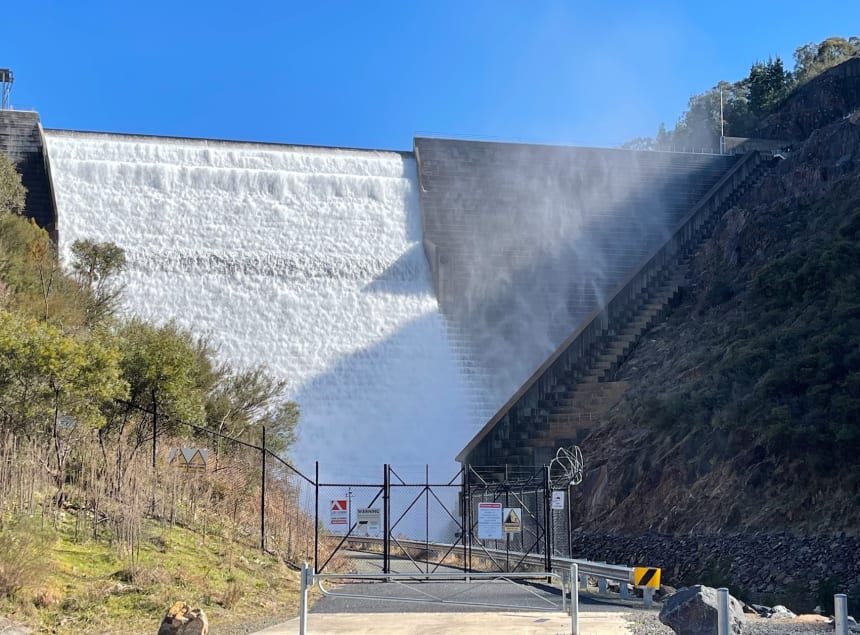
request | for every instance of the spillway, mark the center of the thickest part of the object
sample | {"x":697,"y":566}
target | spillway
{"x":308,"y":260}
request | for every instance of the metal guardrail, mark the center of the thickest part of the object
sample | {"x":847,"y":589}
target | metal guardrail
{"x":600,"y":570}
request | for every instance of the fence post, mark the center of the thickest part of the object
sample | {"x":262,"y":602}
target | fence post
{"x":263,"y":496}
{"x":386,"y":504}
{"x":722,"y":611}
{"x":154,"y":449}
{"x":840,"y":606}
{"x":317,"y":514}
{"x":574,"y":599}
{"x":466,"y":502}
{"x":547,"y":514}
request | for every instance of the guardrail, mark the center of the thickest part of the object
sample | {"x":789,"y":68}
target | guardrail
{"x":602,"y":571}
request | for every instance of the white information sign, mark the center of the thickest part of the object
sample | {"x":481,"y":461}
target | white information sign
{"x":490,"y":521}
{"x":558,"y":499}
{"x":369,"y":521}
{"x":339,"y":513}
{"x":512,"y":520}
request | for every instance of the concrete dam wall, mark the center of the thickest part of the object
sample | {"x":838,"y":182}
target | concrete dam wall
{"x":405,"y":296}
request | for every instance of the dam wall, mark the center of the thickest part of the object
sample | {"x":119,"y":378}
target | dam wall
{"x":307,"y":260}
{"x":22,"y":141}
{"x":525,"y":241}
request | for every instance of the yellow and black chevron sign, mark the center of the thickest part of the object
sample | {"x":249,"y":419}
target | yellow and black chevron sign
{"x":646,"y":576}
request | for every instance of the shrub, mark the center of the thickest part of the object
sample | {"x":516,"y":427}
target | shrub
{"x":24,"y":561}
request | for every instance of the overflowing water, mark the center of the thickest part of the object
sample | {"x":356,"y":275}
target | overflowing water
{"x":307,"y":260}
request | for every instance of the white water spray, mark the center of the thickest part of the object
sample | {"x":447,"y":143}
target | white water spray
{"x":308,"y":260}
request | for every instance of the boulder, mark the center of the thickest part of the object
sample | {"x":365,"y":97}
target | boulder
{"x":782,"y":613}
{"x":693,"y":611}
{"x":181,"y":619}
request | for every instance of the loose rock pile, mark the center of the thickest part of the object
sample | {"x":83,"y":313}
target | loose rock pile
{"x":769,"y":565}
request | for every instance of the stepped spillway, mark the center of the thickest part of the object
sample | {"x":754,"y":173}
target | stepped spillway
{"x":308,"y":260}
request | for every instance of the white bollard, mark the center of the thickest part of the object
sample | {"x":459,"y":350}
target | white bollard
{"x":307,"y":579}
{"x":840,"y":605}
{"x":722,"y":611}
{"x":574,"y":600}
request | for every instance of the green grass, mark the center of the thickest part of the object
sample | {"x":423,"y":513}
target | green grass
{"x":86,"y":587}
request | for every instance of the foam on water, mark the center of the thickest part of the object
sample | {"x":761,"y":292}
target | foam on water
{"x":308,"y":260}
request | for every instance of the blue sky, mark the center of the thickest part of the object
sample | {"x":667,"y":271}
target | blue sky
{"x":375,"y":74}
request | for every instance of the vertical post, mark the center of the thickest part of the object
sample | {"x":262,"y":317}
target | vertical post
{"x":427,"y":516}
{"x":722,"y":611}
{"x":574,"y":599}
{"x":154,"y":449}
{"x":569,"y":503}
{"x":386,"y":511}
{"x":263,"y":495}
{"x":307,"y":577}
{"x":840,"y":605}
{"x":466,"y":532}
{"x":317,"y":514}
{"x":547,"y":514}
{"x":648,"y":596}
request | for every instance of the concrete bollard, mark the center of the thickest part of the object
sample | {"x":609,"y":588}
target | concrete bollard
{"x":840,"y":605}
{"x":722,"y":611}
{"x":574,"y":600}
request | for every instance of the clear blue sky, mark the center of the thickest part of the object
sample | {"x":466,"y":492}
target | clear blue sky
{"x":374,"y":74}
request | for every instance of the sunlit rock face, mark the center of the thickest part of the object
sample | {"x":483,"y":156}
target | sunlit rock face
{"x":308,"y":260}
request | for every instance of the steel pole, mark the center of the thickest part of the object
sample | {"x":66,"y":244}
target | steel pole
{"x":574,"y":599}
{"x":307,"y":572}
{"x":317,"y":515}
{"x":263,"y":496}
{"x":722,"y":611}
{"x":840,"y":605}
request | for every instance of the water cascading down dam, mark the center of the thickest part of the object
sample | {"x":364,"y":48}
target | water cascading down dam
{"x":405,"y":296}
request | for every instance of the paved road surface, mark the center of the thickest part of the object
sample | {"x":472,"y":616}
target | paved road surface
{"x":378,"y":615}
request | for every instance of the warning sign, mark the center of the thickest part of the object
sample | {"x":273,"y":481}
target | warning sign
{"x":339,"y":512}
{"x":368,"y":521}
{"x":490,"y":521}
{"x":512,"y":520}
{"x":646,"y":576}
{"x":558,"y":499}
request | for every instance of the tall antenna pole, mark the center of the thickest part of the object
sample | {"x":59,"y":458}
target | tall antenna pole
{"x":722,"y":124}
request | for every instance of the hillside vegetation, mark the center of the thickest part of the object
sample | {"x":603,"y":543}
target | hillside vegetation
{"x":744,"y":406}
{"x":101,"y":529}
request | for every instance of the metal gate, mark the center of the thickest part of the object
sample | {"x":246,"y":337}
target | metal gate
{"x":418,"y":524}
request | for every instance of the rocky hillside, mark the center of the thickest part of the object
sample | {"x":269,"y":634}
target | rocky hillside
{"x":744,"y":407}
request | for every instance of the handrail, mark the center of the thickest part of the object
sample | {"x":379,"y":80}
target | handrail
{"x":602,"y":315}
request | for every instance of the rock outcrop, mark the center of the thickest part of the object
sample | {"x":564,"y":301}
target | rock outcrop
{"x":181,"y":619}
{"x":694,"y":610}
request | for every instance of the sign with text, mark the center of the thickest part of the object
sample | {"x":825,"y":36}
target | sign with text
{"x":558,"y":499}
{"x":369,"y":521}
{"x":512,"y":520}
{"x":490,"y":521}
{"x":339,"y":512}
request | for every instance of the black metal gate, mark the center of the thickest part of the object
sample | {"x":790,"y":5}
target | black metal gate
{"x":422,"y":524}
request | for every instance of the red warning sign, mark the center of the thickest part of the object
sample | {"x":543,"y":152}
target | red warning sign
{"x":339,"y":512}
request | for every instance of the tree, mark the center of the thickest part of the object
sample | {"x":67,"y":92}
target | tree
{"x":12,"y":192}
{"x":812,"y":59}
{"x":95,"y":266}
{"x":768,"y":84}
